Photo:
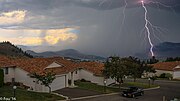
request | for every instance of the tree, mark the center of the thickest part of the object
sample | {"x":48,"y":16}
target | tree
{"x":137,"y":68}
{"x":153,"y":78}
{"x":170,"y":59}
{"x":46,"y":79}
{"x":134,"y":67}
{"x":1,"y":77}
{"x":115,"y":68}
{"x":153,"y":60}
{"x":148,"y":68}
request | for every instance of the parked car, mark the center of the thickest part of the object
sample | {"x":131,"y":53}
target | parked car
{"x":133,"y":92}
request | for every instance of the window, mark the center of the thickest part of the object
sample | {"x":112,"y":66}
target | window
{"x":76,"y":72}
{"x":6,"y":70}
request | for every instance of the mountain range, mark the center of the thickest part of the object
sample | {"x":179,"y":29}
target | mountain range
{"x":71,"y":53}
{"x":163,"y":50}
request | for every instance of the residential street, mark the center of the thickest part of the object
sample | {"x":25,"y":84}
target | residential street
{"x":169,"y":89}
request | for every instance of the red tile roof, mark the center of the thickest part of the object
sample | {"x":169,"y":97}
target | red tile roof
{"x":5,"y":62}
{"x":94,"y":67}
{"x":169,"y":66}
{"x":39,"y":65}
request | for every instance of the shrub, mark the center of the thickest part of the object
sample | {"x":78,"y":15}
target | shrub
{"x":83,"y":80}
{"x":1,"y":77}
{"x":169,"y":76}
{"x":166,"y":75}
{"x":162,"y":75}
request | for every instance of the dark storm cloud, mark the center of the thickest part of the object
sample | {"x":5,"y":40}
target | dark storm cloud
{"x":95,"y":4}
{"x":99,"y":22}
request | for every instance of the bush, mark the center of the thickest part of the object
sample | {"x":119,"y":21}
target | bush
{"x":83,"y":80}
{"x":166,"y":75}
{"x":1,"y":77}
{"x":162,"y":75}
{"x":169,"y":76}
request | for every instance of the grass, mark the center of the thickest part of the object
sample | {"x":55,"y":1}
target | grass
{"x":95,"y":87}
{"x":138,"y":84}
{"x":99,"y":88}
{"x":24,"y":95}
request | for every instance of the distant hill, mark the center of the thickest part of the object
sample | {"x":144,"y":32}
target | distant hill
{"x":164,"y":50}
{"x":8,"y":49}
{"x":72,"y":53}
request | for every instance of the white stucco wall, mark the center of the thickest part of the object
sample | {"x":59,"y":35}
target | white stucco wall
{"x":22,"y":76}
{"x":58,"y":83}
{"x":76,"y":75}
{"x":176,"y":75}
{"x":159,"y":72}
{"x":84,"y":74}
{"x":11,"y":74}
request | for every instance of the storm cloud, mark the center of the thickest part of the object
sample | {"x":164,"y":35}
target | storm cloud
{"x":95,"y":25}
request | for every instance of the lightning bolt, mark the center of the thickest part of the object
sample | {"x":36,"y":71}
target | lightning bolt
{"x":147,"y":22}
{"x":148,"y":26}
{"x":124,"y":15}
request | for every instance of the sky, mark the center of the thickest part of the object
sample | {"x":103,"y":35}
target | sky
{"x":100,"y":27}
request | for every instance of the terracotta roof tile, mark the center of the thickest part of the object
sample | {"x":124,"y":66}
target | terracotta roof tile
{"x":169,"y":66}
{"x":39,"y":65}
{"x":5,"y":62}
{"x":94,"y":67}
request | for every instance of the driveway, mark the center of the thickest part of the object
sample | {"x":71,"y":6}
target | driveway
{"x":76,"y":92}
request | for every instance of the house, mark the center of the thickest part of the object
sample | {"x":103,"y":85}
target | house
{"x":168,"y":67}
{"x":92,"y":71}
{"x":20,"y":70}
{"x":176,"y":73}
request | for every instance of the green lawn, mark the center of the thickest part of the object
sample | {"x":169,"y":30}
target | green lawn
{"x":95,"y":87}
{"x":99,"y":88}
{"x":24,"y":95}
{"x":138,"y":84}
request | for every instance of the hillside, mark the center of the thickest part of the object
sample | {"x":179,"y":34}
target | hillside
{"x":8,"y":49}
{"x":72,"y":53}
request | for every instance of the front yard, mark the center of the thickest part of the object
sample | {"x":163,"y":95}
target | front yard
{"x":111,"y":89}
{"x":24,"y":95}
{"x":95,"y":87}
{"x":138,"y":84}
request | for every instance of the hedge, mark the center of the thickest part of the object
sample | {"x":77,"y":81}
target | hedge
{"x":1,"y":77}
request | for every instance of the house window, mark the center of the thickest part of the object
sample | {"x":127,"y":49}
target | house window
{"x":76,"y":72}
{"x":6,"y":70}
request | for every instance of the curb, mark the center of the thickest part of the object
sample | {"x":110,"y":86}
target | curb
{"x":169,"y":81}
{"x":152,"y":88}
{"x":66,"y":98}
{"x":94,"y":96}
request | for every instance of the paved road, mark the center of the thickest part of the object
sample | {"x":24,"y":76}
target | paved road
{"x":168,"y":89}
